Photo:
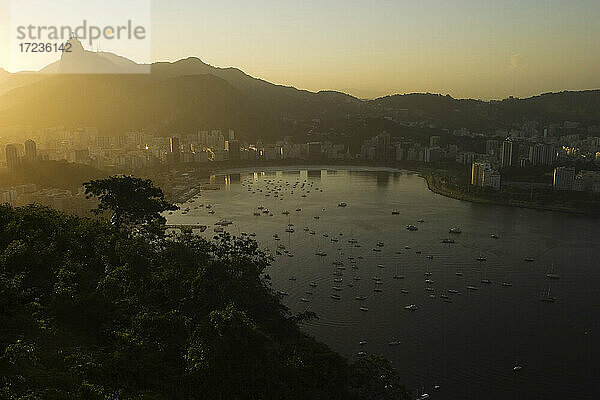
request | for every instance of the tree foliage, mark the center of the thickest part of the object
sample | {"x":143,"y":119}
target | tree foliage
{"x":130,"y":200}
{"x":89,"y":311}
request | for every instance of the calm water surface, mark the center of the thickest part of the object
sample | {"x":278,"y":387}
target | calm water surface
{"x":466,"y":342}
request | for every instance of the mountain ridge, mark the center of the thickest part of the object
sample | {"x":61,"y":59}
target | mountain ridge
{"x":253,"y":106}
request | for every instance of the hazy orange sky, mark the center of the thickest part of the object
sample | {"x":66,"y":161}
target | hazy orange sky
{"x":467,"y":48}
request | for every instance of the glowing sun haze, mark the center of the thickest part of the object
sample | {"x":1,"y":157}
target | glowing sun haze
{"x":467,"y":48}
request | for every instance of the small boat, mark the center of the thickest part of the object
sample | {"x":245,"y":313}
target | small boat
{"x":342,"y":204}
{"x":551,"y":274}
{"x":360,"y":298}
{"x":486,"y":281}
{"x":453,"y":291}
{"x":362,"y":343}
{"x":517,"y":368}
{"x":481,"y":259}
{"x":292,"y":278}
{"x":304,"y":300}
{"x":472,"y":287}
{"x":506,"y":284}
{"x":356,"y":278}
{"x":411,"y":307}
{"x":378,"y":290}
{"x":336,"y":297}
{"x":337,"y":279}
{"x":455,"y":230}
{"x":529,"y":259}
{"x":313,"y":284}
{"x":380,"y":244}
{"x":404,"y":291}
{"x":380,"y":266}
{"x":458,"y":273}
{"x":283,"y":293}
{"x":546,"y":298}
{"x":398,"y":277}
{"x":320,"y":254}
{"x":290,"y":230}
{"x":365,"y":309}
{"x":394,"y":343}
{"x":494,"y":236}
{"x":395,"y":212}
{"x":337,"y":288}
{"x":412,"y":228}
{"x":286,"y":212}
{"x":361,"y":354}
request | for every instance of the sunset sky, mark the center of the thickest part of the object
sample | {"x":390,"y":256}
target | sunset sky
{"x":467,"y":48}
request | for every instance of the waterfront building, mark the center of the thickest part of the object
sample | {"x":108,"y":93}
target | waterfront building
{"x":542,"y":154}
{"x":510,"y":153}
{"x":564,"y":178}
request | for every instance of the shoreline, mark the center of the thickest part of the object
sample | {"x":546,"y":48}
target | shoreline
{"x":428,"y":175}
{"x":435,"y":188}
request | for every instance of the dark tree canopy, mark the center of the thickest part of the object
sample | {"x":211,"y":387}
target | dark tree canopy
{"x":90,"y":312}
{"x":131,"y":200}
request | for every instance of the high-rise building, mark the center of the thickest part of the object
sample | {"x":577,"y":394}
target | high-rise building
{"x":510,"y":153}
{"x":542,"y":154}
{"x":491,"y":147}
{"x":482,"y":175}
{"x":477,"y":174}
{"x":382,"y":146}
{"x":30,"y":151}
{"x":174,"y":150}
{"x":233,"y":147}
{"x":432,"y":154}
{"x":564,"y":178}
{"x":12,"y":161}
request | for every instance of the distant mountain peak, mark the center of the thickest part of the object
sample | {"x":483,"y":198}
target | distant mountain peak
{"x":76,"y":46}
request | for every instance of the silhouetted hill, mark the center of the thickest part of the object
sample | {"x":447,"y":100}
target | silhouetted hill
{"x":188,"y":95}
{"x":550,"y":107}
{"x":120,"y":102}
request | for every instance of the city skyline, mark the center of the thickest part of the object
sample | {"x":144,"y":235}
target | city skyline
{"x":466,"y":49}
